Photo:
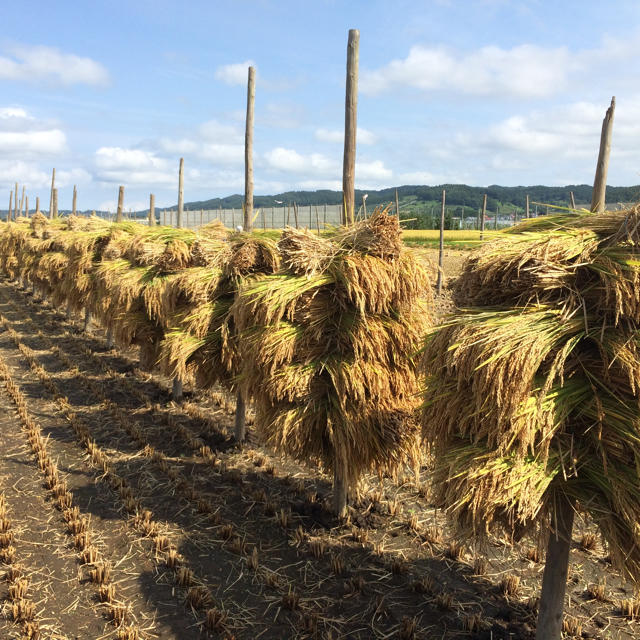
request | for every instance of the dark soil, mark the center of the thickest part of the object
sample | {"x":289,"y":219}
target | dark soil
{"x":254,"y":529}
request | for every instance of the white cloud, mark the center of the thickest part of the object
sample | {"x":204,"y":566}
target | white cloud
{"x":37,"y":63}
{"x":133,"y":166}
{"x":13,"y":112}
{"x":29,"y":142}
{"x":363,"y":136}
{"x":236,"y":73}
{"x":524,"y":71}
{"x":290,"y":160}
{"x":372,"y":172}
{"x":23,"y":135}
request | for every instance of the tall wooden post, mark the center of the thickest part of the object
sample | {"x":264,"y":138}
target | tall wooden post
{"x":350,"y":127}
{"x":248,"y":155}
{"x":37,"y":204}
{"x":22,"y":200}
{"x":53,"y":184}
{"x":55,"y":203}
{"x":152,"y":210}
{"x":180,"y":194}
{"x":527,"y":205}
{"x":119,"y":214}
{"x":164,"y":218}
{"x":26,"y":206}
{"x":10,"y":206}
{"x":75,"y":201}
{"x":482,"y":217}
{"x":598,"y":198}
{"x":556,"y":569}
{"x":441,"y":246}
{"x":397,"y":206}
{"x":572,"y":200}
{"x":15,"y":203}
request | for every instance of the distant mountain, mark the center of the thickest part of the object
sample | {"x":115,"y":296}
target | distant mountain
{"x":457,"y":195}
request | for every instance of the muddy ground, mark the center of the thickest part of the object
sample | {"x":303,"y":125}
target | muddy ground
{"x":132,"y":517}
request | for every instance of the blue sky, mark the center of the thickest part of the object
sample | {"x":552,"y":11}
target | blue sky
{"x":474,"y":91}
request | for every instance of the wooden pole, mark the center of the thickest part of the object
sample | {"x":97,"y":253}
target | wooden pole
{"x":572,"y":200}
{"x":26,"y":206}
{"x":248,"y":151}
{"x":55,"y":203}
{"x":15,"y":203}
{"x":152,"y":210}
{"x":527,"y":205}
{"x":556,"y":569}
{"x":10,"y":205}
{"x":180,"y":194}
{"x":53,"y":184}
{"x":295,"y":213}
{"x":22,"y":200}
{"x":317,"y":220}
{"x":164,"y":218}
{"x":397,"y":206}
{"x":441,"y":246}
{"x":484,"y":213}
{"x":598,"y":198}
{"x":350,"y":127}
{"x":75,"y":200}
{"x":120,"y":204}
{"x":37,"y":204}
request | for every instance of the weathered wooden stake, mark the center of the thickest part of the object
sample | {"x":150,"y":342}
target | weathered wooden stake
{"x":495,"y":222}
{"x":53,"y":184}
{"x":37,"y":204}
{"x":26,"y":206}
{"x":397,"y":206}
{"x":10,"y":205}
{"x":120,"y":204}
{"x":441,"y":246}
{"x":180,"y":194}
{"x":176,"y":391}
{"x":152,"y":210}
{"x":22,"y":199}
{"x":241,"y":422}
{"x":74,"y":207}
{"x":598,"y":198}
{"x":572,"y":200}
{"x":15,"y":203}
{"x":484,"y":213}
{"x":340,"y":492}
{"x":350,"y":128}
{"x":556,"y":569}
{"x":164,"y":218}
{"x":295,"y":213}
{"x":55,"y":203}
{"x":109,"y":338}
{"x":527,"y":205}
{"x":248,"y":151}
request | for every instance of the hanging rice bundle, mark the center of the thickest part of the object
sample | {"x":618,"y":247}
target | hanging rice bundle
{"x":194,"y":305}
{"x":537,"y":401}
{"x":328,"y":344}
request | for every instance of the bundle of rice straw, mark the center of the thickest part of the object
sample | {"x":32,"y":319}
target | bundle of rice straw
{"x":327,"y":346}
{"x":200,"y":336}
{"x":533,"y":395}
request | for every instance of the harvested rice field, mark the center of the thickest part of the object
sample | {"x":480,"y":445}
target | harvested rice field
{"x":126,"y":515}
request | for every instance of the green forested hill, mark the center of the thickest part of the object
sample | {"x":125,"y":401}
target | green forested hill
{"x":457,"y":194}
